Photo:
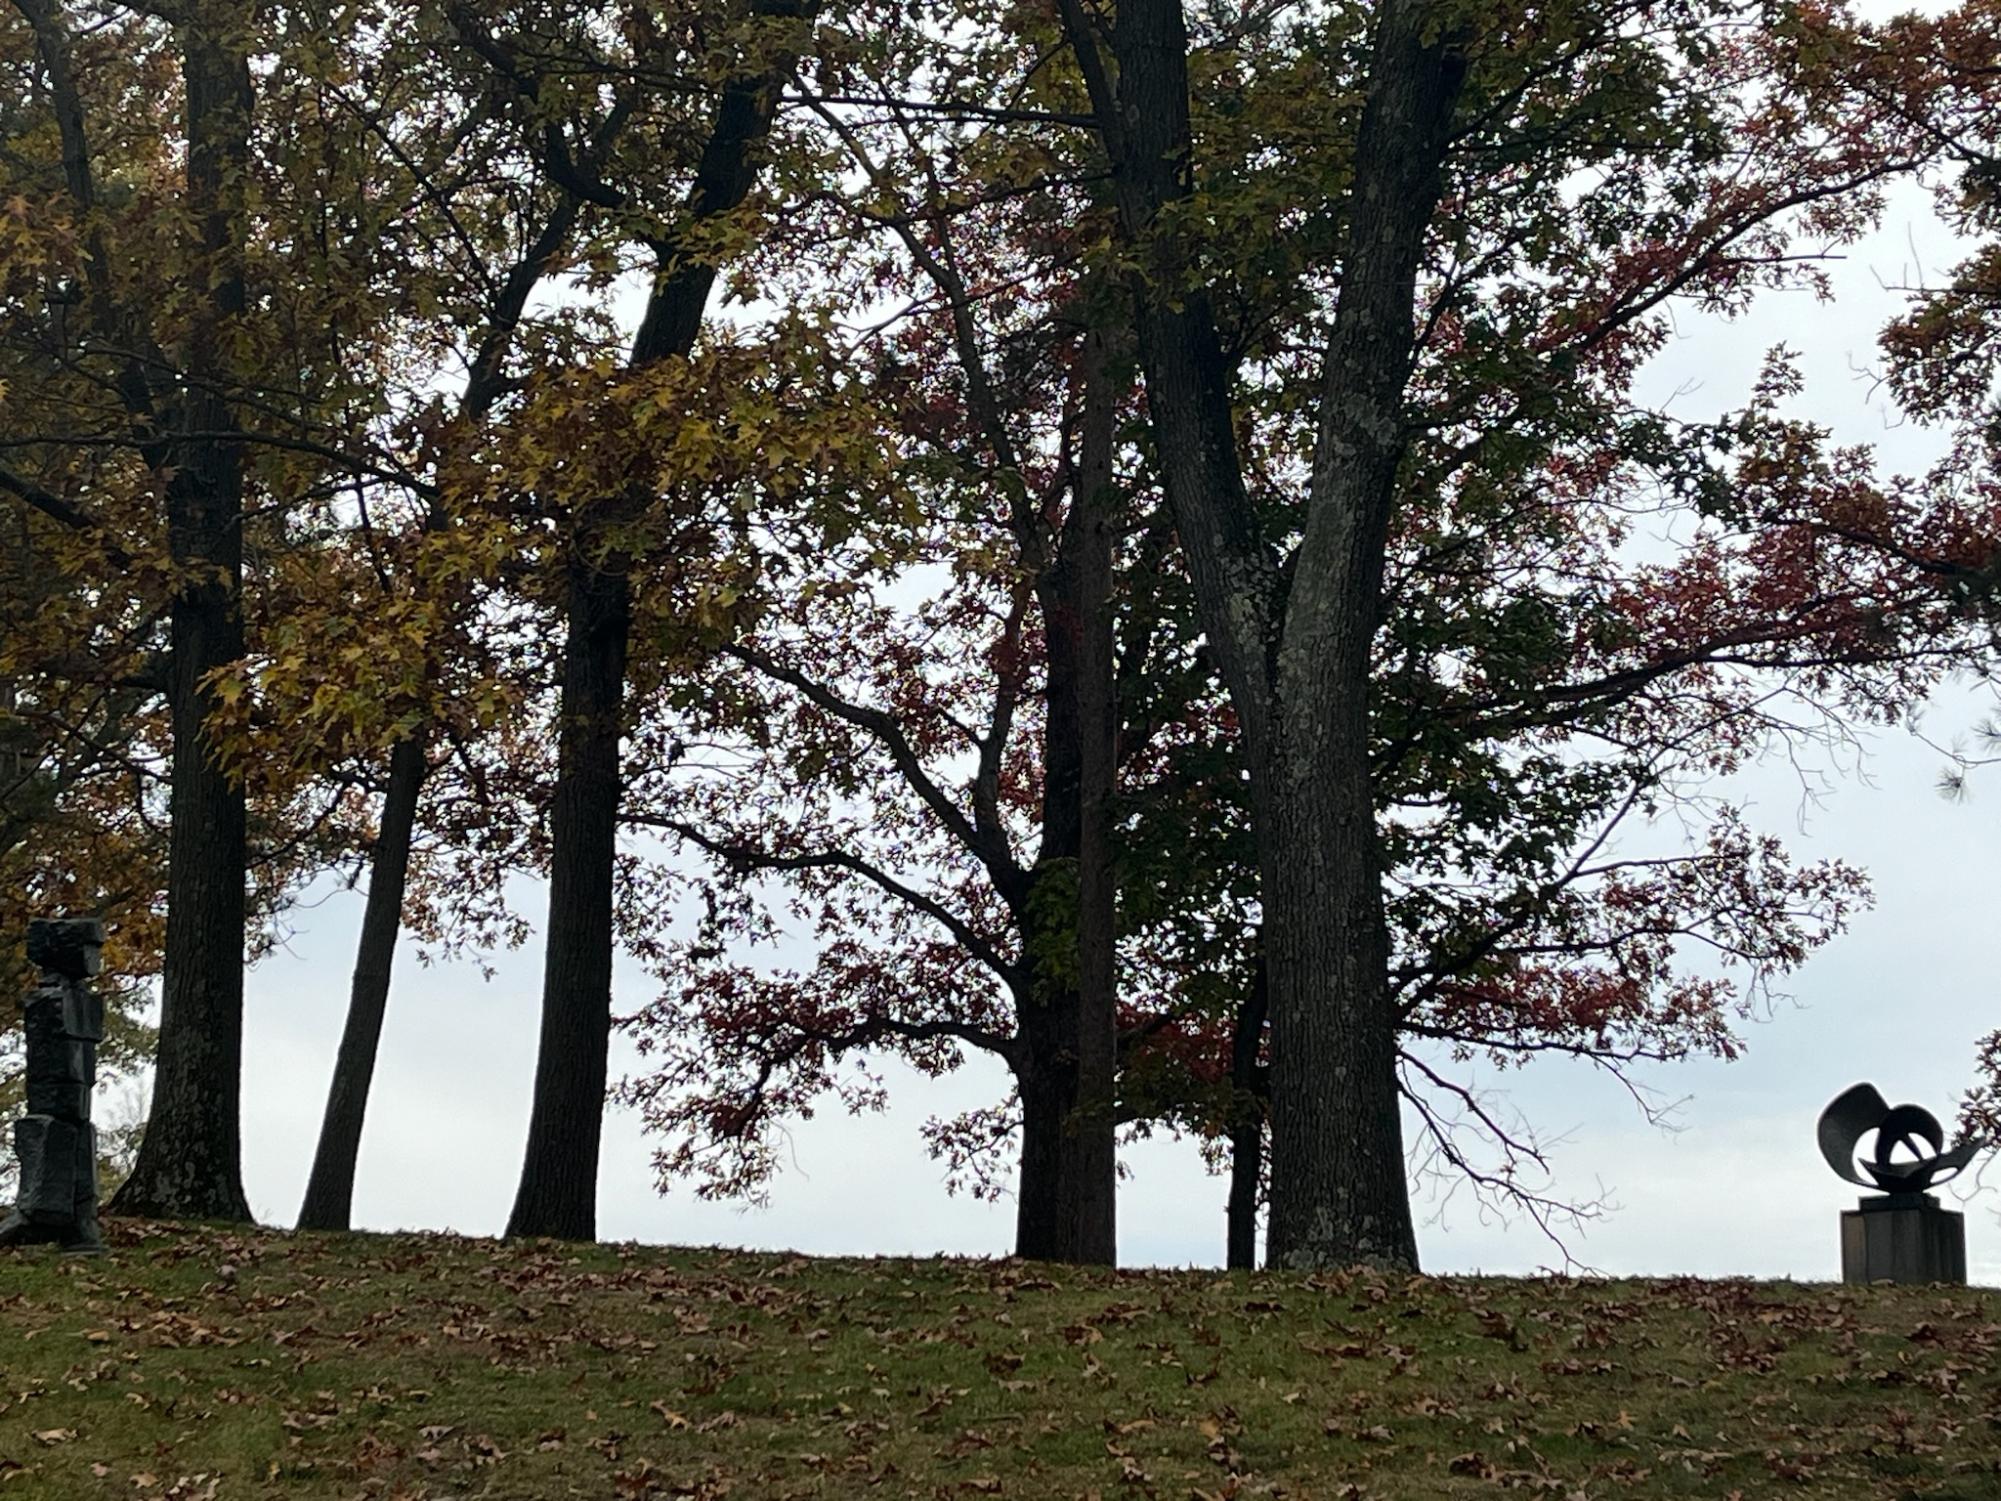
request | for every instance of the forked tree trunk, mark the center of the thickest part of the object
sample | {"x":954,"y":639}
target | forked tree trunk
{"x":558,"y":1190}
{"x":1292,"y":635}
{"x":1340,"y":1185}
{"x":329,"y":1201}
{"x":189,"y":1164}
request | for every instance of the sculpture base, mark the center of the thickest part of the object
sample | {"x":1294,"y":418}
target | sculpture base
{"x":80,"y":1237}
{"x":1903,"y":1238}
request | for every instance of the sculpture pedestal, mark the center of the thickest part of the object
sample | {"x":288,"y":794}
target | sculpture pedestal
{"x":1903,"y":1238}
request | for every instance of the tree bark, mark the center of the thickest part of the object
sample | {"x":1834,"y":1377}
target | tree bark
{"x":558,"y":1190}
{"x":1068,"y":1191}
{"x":1248,"y":1092}
{"x":1045,"y":1196}
{"x":1088,"y":561}
{"x":189,"y":1164}
{"x":1340,"y":1190}
{"x":1293,"y":637}
{"x":330,"y":1189}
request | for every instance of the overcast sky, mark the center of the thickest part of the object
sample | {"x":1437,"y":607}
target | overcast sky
{"x":1739,"y":1188}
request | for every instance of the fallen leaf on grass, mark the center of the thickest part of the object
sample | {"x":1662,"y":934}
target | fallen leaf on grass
{"x":1377,"y":1433}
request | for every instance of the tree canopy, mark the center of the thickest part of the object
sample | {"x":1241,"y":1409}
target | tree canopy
{"x":1130,"y":538}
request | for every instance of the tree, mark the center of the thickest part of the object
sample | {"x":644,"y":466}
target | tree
{"x":1535,"y":687}
{"x":1941,"y":357}
{"x":197,"y":342}
{"x":1016,"y":382}
{"x":828,"y":714}
{"x":1032,"y":537}
{"x":183,"y":428}
{"x":488,"y":282}
{"x":557,"y":1194}
{"x":1444,"y":92}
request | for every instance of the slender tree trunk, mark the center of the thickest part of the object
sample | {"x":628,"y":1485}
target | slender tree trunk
{"x":1248,"y":1096}
{"x":1088,"y":561}
{"x":330,"y":1189}
{"x":190,"y":1161}
{"x":558,"y":1192}
{"x":1068,"y":1193}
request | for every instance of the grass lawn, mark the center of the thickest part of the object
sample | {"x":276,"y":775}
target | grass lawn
{"x":197,"y":1363}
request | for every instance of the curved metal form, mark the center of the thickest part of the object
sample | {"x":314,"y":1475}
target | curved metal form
{"x":1861,"y":1109}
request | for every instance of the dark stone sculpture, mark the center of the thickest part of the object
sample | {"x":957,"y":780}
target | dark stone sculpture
{"x":1903,"y":1235}
{"x":54,"y":1143}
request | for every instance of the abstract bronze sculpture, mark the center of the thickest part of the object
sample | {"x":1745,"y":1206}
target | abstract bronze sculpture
{"x":1902,"y":1236}
{"x":54,"y":1143}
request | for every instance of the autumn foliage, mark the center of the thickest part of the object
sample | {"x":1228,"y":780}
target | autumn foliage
{"x":1134,"y":540}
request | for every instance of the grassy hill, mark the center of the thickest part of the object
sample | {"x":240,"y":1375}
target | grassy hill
{"x":208,"y":1364}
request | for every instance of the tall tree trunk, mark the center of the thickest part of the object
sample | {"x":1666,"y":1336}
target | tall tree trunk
{"x":330,"y":1190}
{"x":1248,"y":1095}
{"x":1340,"y":1189}
{"x":1068,"y":1192}
{"x":190,"y":1161}
{"x":1087,"y":549}
{"x":558,"y":1188}
{"x":558,"y":1192}
{"x":1292,"y":635}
